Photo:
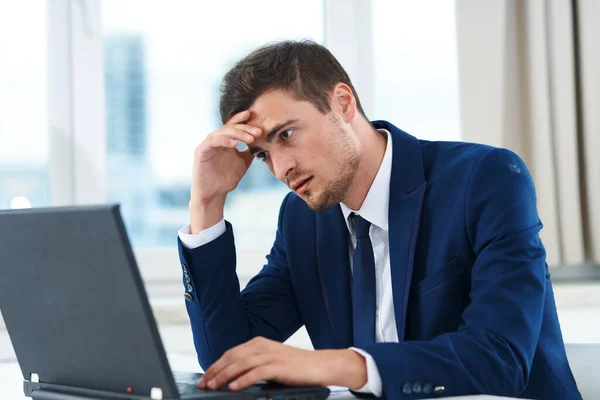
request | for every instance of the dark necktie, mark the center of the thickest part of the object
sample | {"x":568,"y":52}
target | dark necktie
{"x":363,"y":285}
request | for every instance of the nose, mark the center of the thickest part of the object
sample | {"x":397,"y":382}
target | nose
{"x":282,"y":166}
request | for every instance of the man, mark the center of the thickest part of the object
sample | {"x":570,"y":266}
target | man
{"x":415,"y":266}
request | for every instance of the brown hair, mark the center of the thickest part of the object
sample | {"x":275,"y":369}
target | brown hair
{"x":304,"y":68}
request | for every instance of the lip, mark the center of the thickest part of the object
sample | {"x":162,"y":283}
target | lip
{"x":301,"y":186}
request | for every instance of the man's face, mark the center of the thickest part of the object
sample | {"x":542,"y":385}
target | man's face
{"x":310,"y":152}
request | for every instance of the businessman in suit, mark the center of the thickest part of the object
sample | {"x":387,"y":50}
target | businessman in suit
{"x":415,"y":266}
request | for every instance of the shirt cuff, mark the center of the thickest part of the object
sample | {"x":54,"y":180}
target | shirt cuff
{"x":373,"y":384}
{"x":192,"y":241}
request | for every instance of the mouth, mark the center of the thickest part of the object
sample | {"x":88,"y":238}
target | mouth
{"x":300,"y":186}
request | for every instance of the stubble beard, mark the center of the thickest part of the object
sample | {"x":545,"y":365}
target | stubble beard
{"x":335,"y":192}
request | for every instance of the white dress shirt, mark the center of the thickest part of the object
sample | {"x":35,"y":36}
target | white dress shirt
{"x":375,"y":210}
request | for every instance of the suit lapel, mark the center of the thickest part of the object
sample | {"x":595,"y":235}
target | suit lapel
{"x":407,"y":191}
{"x":334,"y":272}
{"x":404,"y":216}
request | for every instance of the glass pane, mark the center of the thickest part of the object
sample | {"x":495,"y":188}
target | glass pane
{"x":416,"y":67}
{"x":23,"y":115}
{"x":163,"y":71}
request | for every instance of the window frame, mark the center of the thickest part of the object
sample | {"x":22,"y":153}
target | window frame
{"x":77,"y":128}
{"x":76,"y":120}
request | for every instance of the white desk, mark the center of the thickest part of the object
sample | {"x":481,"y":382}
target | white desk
{"x":480,"y":397}
{"x":348,"y":396}
{"x":11,"y":382}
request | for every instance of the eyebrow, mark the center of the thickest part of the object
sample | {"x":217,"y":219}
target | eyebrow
{"x":271,"y":135}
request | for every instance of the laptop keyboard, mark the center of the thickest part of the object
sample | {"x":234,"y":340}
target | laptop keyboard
{"x":187,"y":383}
{"x":185,"y":388}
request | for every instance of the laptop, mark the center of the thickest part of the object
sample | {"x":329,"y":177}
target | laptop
{"x":78,"y":315}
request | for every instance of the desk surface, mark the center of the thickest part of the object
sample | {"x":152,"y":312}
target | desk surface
{"x":179,"y":344}
{"x":11,"y":382}
{"x":180,"y":359}
{"x":347,"y":396}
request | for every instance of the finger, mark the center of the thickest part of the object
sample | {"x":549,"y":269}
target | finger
{"x":229,"y":357}
{"x":237,"y":369}
{"x":236,"y":134}
{"x":239,"y":352}
{"x":252,"y":377}
{"x":248,"y":157}
{"x":211,"y":372}
{"x":239,"y":117}
{"x":253,"y":130}
{"x":220,"y":141}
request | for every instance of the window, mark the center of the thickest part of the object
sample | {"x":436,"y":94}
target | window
{"x":163,"y":69}
{"x":416,"y":67}
{"x":23,"y":115}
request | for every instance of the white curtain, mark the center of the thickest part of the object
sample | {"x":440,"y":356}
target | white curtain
{"x":528,"y":82}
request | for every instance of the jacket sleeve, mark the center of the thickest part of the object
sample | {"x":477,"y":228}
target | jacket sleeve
{"x":221,"y":316}
{"x":493,"y":349}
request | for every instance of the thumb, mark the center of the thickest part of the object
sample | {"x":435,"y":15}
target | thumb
{"x":247,"y":156}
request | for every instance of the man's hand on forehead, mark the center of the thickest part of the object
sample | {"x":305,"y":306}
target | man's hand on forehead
{"x":219,"y":167}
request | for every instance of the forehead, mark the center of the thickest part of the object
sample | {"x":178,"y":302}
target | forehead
{"x":276,"y":106}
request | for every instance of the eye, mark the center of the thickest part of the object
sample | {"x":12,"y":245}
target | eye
{"x":262,"y":155}
{"x":285,"y":135}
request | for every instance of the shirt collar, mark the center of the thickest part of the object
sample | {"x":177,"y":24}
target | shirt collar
{"x":375,"y":207}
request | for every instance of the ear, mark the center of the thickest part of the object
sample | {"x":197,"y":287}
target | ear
{"x":343,"y":102}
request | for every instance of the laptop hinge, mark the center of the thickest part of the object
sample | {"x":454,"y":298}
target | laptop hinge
{"x":33,"y":389}
{"x":42,"y":394}
{"x":156,"y":394}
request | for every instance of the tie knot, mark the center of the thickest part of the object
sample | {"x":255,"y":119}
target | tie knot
{"x":362,"y":226}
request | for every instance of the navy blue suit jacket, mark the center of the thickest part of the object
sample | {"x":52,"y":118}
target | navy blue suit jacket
{"x":473,"y":300}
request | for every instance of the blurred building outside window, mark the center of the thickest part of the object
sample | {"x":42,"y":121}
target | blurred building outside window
{"x":163,"y":71}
